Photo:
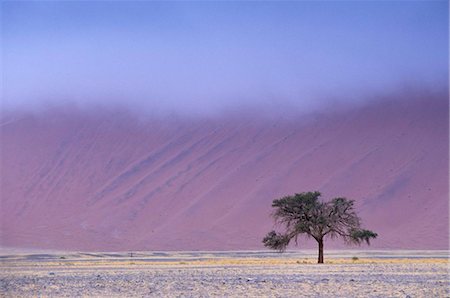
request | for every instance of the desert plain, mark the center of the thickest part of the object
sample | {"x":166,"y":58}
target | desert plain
{"x":225,"y":274}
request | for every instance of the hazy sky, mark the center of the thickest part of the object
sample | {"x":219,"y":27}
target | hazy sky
{"x":213,"y":55}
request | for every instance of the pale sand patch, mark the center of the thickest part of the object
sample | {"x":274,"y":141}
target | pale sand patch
{"x":220,"y":275}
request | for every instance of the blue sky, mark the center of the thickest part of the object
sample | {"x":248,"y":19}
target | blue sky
{"x":212,"y":55}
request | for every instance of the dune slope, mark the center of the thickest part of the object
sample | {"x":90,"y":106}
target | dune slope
{"x":107,"y":180}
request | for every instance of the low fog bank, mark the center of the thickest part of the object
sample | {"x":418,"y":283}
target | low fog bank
{"x":275,"y":109}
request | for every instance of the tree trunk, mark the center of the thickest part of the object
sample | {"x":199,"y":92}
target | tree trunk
{"x":320,"y":261}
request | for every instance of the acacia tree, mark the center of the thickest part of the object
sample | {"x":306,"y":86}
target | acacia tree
{"x":304,"y":214}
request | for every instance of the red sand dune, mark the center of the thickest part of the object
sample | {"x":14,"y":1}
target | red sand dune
{"x":85,"y":180}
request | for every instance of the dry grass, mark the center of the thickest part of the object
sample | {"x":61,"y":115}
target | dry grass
{"x":108,"y":262}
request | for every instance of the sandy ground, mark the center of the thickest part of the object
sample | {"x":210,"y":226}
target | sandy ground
{"x":224,"y":274}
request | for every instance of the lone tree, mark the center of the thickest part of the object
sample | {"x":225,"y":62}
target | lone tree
{"x":304,"y":214}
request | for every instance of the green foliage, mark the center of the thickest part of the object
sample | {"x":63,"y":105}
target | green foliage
{"x":276,"y":241}
{"x":359,"y":236}
{"x":305,"y":214}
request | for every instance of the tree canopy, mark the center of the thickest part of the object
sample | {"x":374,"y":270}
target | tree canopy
{"x":304,"y":213}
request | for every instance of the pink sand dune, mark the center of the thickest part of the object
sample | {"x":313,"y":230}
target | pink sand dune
{"x":74,"y":179}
